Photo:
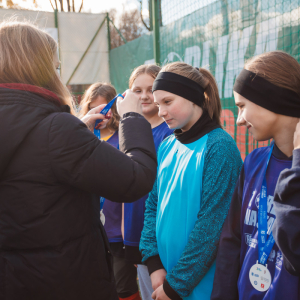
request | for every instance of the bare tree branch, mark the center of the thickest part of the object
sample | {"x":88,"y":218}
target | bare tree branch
{"x":129,"y":24}
{"x":73,"y":5}
{"x":51,"y":4}
{"x":56,"y":4}
{"x":141,"y":2}
{"x":81,"y":6}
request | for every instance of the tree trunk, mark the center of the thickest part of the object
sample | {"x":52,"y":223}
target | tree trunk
{"x":69,"y":7}
{"x":73,"y":5}
{"x":61,"y":5}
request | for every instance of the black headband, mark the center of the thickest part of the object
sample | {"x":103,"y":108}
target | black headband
{"x":267,"y":95}
{"x":179,"y":85}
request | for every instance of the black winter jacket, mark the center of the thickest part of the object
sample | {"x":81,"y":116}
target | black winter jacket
{"x":286,"y":228}
{"x":52,"y":172}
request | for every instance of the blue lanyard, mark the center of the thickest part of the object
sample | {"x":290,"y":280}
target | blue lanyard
{"x":102,"y":200}
{"x":104,"y":111}
{"x":264,"y":245}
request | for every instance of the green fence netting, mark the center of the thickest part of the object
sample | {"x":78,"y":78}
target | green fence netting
{"x":220,"y":36}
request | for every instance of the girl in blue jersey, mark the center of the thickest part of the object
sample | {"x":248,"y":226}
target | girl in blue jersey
{"x":140,"y":82}
{"x":249,"y":262}
{"x":198,"y":168}
{"x":111,"y":213}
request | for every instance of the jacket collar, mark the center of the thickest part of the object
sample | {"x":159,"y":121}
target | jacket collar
{"x":33,"y":89}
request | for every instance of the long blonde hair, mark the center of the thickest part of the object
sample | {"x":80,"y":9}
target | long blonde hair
{"x":27,"y":56}
{"x":206,"y":80}
{"x":107,"y":91}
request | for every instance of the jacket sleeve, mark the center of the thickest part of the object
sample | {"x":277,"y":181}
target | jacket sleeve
{"x":228,"y":257}
{"x":286,"y":228}
{"x":221,"y":170}
{"x":80,"y":160}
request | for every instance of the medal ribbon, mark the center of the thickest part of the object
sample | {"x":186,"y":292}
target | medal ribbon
{"x":102,"y":200}
{"x":104,"y":111}
{"x":265,"y":244}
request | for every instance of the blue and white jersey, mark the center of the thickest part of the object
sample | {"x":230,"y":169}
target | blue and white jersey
{"x":284,"y":285}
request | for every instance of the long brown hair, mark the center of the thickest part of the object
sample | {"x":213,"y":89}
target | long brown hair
{"x":107,"y":91}
{"x":27,"y":56}
{"x":205,"y":79}
{"x":278,"y":68}
{"x":151,"y":70}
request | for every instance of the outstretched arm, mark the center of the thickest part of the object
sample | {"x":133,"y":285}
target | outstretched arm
{"x":80,"y":160}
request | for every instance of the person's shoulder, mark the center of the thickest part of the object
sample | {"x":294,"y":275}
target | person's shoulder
{"x":65,"y":120}
{"x":67,"y":126}
{"x":219,"y":140}
{"x":221,"y":150}
{"x":256,"y":153}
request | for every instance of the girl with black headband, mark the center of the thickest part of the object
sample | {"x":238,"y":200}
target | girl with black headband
{"x":249,"y":262}
{"x":198,"y":167}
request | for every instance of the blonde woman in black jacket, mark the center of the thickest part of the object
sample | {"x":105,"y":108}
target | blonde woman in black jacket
{"x":52,"y":172}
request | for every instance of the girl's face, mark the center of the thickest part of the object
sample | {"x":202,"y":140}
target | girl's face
{"x":98,"y":101}
{"x":177,"y":112}
{"x":261,"y":123}
{"x":142,"y":86}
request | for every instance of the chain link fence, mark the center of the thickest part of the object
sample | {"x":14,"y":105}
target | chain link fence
{"x":219,"y":35}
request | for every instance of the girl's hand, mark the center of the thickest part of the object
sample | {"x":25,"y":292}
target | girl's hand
{"x":90,"y":118}
{"x":297,"y":137}
{"x":159,"y":294}
{"x":158,"y":278}
{"x":130,"y":103}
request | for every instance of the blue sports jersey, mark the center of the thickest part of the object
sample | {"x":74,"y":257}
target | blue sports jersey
{"x":284,"y":285}
{"x":177,"y":218}
{"x":113,"y":210}
{"x":186,"y":210}
{"x":134,"y":212}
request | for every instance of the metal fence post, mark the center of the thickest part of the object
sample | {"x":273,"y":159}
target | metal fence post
{"x":156,"y":25}
{"x":108,"y":40}
{"x":58,"y":42}
{"x":108,"y":31}
{"x":150,"y":15}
